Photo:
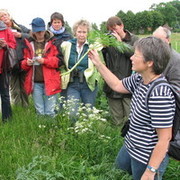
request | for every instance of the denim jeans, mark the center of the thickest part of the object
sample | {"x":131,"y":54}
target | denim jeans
{"x":45,"y":105}
{"x":79,"y":92}
{"x":125,"y":162}
{"x":5,"y":98}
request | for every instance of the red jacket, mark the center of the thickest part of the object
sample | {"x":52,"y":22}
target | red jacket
{"x":8,"y":36}
{"x":50,"y":72}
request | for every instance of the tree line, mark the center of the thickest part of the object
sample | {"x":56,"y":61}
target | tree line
{"x":145,"y":22}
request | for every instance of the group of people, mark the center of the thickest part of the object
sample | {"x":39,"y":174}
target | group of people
{"x":44,"y":53}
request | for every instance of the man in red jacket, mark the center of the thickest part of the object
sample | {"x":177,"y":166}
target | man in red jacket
{"x":41,"y":62}
{"x":6,"y":40}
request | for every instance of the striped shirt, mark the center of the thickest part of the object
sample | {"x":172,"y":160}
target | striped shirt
{"x":142,"y":137}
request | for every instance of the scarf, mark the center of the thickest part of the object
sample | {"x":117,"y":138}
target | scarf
{"x":57,"y":32}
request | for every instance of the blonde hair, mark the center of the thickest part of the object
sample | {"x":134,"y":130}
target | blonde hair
{"x":5,"y":11}
{"x":81,"y":22}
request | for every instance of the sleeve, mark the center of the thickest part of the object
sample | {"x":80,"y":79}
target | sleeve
{"x":161,"y":106}
{"x":131,"y":82}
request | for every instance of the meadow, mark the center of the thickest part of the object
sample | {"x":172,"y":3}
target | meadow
{"x":41,"y":148}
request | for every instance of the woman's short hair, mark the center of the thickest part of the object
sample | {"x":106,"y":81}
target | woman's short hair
{"x":5,"y":11}
{"x":156,"y":50}
{"x":81,"y":22}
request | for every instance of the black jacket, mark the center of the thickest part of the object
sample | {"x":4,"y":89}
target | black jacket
{"x":119,"y":64}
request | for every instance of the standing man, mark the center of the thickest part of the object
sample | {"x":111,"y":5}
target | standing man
{"x":172,"y":71}
{"x":119,"y":64}
{"x":18,"y":95}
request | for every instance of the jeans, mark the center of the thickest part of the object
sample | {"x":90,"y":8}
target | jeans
{"x":79,"y":92}
{"x":125,"y":162}
{"x":5,"y":98}
{"x":45,"y":105}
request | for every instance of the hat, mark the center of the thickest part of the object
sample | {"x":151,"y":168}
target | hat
{"x":38,"y":25}
{"x":2,"y":26}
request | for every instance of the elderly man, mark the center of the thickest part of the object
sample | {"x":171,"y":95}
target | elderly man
{"x":172,"y":71}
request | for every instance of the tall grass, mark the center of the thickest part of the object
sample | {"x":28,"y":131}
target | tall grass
{"x":40,"y":148}
{"x":34,"y":147}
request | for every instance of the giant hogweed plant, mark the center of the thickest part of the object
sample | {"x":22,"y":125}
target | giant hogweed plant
{"x":97,"y":40}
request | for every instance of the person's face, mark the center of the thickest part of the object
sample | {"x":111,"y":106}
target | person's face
{"x":39,"y":35}
{"x":57,"y":24}
{"x":81,"y":34}
{"x":117,"y":28}
{"x":138,"y":63}
{"x":5,"y":17}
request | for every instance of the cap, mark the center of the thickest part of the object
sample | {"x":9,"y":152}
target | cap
{"x":38,"y":25}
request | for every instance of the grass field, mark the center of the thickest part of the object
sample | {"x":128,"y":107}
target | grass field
{"x":40,"y":148}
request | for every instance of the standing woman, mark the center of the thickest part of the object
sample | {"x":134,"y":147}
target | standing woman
{"x":82,"y":86}
{"x":6,"y":40}
{"x":20,"y":32}
{"x":144,"y":153}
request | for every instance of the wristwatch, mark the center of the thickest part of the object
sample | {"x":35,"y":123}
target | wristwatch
{"x":152,"y":169}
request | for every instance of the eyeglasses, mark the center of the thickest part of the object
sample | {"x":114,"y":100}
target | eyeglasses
{"x":138,"y":56}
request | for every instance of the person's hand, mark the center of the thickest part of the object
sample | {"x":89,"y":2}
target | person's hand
{"x":40,"y":60}
{"x":30,"y":62}
{"x":3,"y":43}
{"x":148,"y":175}
{"x":17,"y":34}
{"x":94,"y":56}
{"x":116,"y":35}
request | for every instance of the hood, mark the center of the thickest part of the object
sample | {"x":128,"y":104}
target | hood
{"x":48,"y":36}
{"x":2,"y":26}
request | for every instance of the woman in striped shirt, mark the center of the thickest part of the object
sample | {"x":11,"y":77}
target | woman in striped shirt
{"x":144,"y":153}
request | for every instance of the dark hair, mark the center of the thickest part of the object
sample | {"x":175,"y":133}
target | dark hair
{"x":156,"y":50}
{"x":57,"y":15}
{"x":113,"y":21}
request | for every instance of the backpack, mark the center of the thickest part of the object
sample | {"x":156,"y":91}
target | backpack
{"x":174,"y":148}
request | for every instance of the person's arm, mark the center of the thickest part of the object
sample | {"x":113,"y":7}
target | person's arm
{"x":107,"y":75}
{"x":159,"y":152}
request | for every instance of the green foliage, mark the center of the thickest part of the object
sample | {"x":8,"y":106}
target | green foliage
{"x":35,"y":147}
{"x":168,"y":11}
{"x":157,"y":19}
{"x":99,"y":39}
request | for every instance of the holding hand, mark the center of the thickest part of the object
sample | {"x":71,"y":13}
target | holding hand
{"x":94,"y":56}
{"x":3,"y":43}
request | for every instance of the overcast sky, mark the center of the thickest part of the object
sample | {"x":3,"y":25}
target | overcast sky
{"x":95,"y":11}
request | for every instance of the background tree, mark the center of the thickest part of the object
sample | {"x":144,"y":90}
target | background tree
{"x":68,"y":28}
{"x":103,"y":27}
{"x":158,"y":19}
{"x":94,"y":26}
{"x":168,"y":11}
{"x":130,"y":23}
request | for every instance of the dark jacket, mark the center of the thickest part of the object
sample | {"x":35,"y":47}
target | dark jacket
{"x":119,"y":64}
{"x":172,"y":71}
{"x":25,"y":32}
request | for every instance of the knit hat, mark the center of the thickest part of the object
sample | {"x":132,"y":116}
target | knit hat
{"x":2,"y":26}
{"x":38,"y":25}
